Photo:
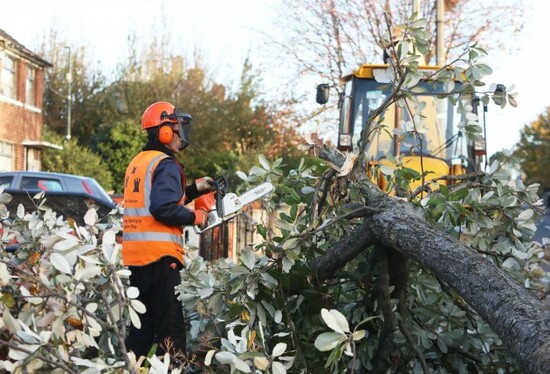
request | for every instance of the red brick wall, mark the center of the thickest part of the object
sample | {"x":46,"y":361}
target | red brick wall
{"x":18,"y":122}
{"x":39,"y":90}
{"x":21,"y":74}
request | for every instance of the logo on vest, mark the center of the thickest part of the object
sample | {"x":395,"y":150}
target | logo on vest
{"x":136,"y":184}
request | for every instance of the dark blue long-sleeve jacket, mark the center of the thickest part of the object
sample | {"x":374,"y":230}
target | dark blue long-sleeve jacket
{"x":167,"y":190}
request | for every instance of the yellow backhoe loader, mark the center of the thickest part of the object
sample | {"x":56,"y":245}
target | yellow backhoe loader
{"x":437,"y":147}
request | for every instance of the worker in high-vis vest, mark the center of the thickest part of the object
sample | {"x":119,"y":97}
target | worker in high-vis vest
{"x":155,"y":192}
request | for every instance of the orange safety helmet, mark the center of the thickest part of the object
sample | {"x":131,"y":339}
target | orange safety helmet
{"x":157,"y":114}
{"x":161,"y":113}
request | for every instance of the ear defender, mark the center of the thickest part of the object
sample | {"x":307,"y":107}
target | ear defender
{"x":166,"y":134}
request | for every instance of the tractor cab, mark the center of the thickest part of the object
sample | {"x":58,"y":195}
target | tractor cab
{"x":436,"y":146}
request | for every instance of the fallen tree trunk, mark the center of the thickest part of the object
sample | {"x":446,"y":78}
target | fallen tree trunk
{"x":515,"y":315}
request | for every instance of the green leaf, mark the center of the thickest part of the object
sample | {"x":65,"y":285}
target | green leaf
{"x":241,"y":365}
{"x":60,"y":263}
{"x":242,"y":175}
{"x":209,"y":356}
{"x":205,"y":292}
{"x":335,"y":320}
{"x":261,"y":230}
{"x":286,"y":217}
{"x":291,"y":243}
{"x":225,"y":357}
{"x":287,"y":264}
{"x":525,"y":215}
{"x":248,"y":258}
{"x":264,"y":162}
{"x":328,"y":340}
{"x":278,"y":368}
{"x":444,"y":190}
{"x":134,"y":318}
{"x":436,"y":200}
{"x":358,"y":335}
{"x":458,"y":195}
{"x":386,"y":170}
{"x":441,"y":345}
{"x":278,"y":350}
{"x":438,"y":210}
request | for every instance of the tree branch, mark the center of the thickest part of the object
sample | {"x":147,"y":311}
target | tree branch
{"x":345,"y":250}
{"x":515,"y":315}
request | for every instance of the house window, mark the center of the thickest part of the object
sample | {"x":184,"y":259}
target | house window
{"x":30,"y":87}
{"x":6,"y":156}
{"x":7,"y":78}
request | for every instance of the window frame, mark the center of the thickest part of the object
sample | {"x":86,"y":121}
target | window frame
{"x":5,"y":158}
{"x":30,"y":86}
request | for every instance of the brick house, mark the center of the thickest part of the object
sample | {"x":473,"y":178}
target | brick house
{"x":21,"y":90}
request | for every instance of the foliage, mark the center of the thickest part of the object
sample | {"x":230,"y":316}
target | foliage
{"x":65,"y":299}
{"x":271,"y":297}
{"x":229,"y":129}
{"x":533,"y":151}
{"x":61,"y":288}
{"x":75,"y":159}
{"x":86,"y":81}
{"x":118,"y":145}
{"x":231,"y":132}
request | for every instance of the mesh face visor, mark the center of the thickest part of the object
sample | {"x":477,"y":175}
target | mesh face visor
{"x":184,"y":125}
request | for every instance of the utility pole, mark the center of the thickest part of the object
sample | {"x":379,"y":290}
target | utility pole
{"x":440,"y":36}
{"x":69,"y":95}
{"x":416,"y":7}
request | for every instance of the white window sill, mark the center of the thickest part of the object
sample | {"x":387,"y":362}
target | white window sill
{"x":10,"y":100}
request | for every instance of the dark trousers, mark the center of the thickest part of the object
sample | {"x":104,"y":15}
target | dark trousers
{"x":164,"y":316}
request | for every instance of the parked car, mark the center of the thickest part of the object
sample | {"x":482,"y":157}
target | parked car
{"x":66,"y":194}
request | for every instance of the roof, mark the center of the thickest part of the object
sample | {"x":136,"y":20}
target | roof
{"x":43,"y":174}
{"x":8,"y":42}
{"x":367,"y":70}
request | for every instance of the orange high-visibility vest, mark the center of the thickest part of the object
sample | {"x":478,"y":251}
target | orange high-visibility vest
{"x":146,"y":240}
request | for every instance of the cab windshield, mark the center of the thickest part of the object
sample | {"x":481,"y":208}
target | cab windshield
{"x":436,"y":122}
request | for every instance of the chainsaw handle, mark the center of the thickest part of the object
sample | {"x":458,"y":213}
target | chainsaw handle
{"x":220,"y":184}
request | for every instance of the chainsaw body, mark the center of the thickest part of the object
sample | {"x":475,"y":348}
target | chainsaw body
{"x":222,"y":206}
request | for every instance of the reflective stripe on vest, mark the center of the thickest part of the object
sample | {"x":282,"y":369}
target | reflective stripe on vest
{"x":145,"y":239}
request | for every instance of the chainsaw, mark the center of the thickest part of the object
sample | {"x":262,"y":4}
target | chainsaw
{"x":222,"y":206}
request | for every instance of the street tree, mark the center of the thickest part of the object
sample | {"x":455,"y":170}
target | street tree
{"x":117,"y":145}
{"x":330,"y":38}
{"x":76,"y":159}
{"x":533,"y":151}
{"x":230,"y":128}
{"x":72,"y":66}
